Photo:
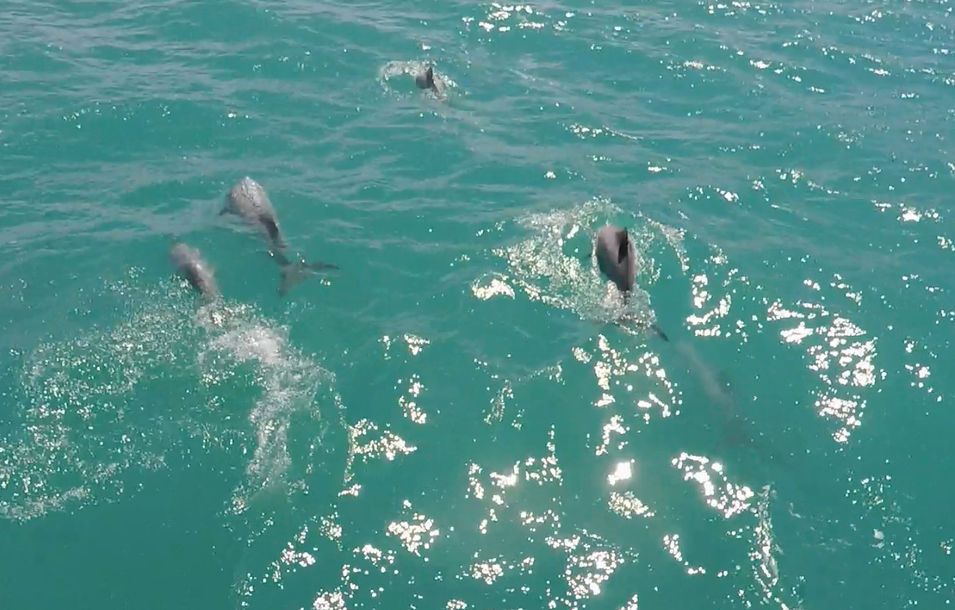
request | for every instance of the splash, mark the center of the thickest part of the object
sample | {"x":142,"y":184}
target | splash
{"x":96,"y":409}
{"x":543,"y":269}
{"x":292,"y":389}
{"x":407,"y":70}
{"x":88,"y":412}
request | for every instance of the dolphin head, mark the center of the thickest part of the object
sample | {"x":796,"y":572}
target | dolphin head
{"x":190,"y":265}
{"x":181,"y":255}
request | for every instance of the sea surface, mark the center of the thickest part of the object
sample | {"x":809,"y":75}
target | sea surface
{"x":466,"y":415}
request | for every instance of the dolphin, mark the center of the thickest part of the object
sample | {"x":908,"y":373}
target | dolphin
{"x":618,"y":261}
{"x":190,"y":265}
{"x":249,"y":200}
{"x":425,"y":80}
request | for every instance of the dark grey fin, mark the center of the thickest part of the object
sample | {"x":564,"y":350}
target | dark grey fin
{"x":630,"y":322}
{"x":225,"y":210}
{"x":425,"y":80}
{"x":660,"y":332}
{"x":295,"y":273}
{"x":273,"y":230}
{"x":623,"y":250}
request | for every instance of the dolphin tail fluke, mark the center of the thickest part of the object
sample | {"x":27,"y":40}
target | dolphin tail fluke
{"x":295,"y":273}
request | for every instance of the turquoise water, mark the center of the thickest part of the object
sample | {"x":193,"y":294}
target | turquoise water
{"x":453,"y":420}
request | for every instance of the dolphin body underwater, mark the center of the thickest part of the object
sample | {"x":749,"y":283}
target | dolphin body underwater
{"x":616,"y":258}
{"x":190,"y":265}
{"x":249,"y":200}
{"x":618,"y":261}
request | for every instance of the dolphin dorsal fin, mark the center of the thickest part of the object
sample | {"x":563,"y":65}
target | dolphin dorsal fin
{"x":429,"y":76}
{"x":623,"y":250}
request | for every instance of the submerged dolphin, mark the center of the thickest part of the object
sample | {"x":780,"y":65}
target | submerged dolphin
{"x":190,"y":265}
{"x":617,"y":260}
{"x":250,"y":201}
{"x":426,"y":80}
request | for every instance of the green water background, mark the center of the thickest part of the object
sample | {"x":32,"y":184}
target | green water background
{"x":786,"y":168}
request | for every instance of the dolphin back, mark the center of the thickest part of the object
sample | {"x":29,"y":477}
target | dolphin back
{"x":249,"y":200}
{"x":616,"y":256}
{"x":617,"y":260}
